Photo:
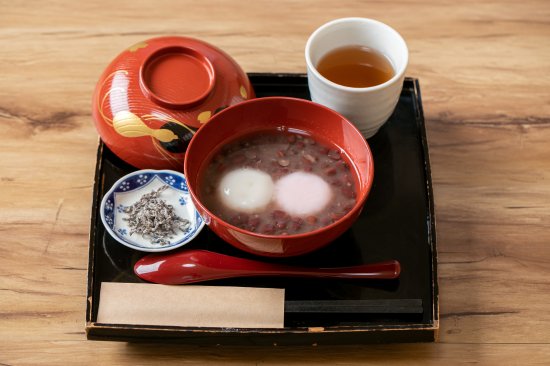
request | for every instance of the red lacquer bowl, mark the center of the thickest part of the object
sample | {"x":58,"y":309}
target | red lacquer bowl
{"x":150,"y":100}
{"x":276,"y":113}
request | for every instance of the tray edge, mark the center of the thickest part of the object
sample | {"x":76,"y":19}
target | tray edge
{"x":95,"y":330}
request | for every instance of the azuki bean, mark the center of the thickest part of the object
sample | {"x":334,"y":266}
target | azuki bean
{"x":334,"y":154}
{"x":284,"y":162}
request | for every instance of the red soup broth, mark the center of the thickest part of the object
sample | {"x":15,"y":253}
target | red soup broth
{"x":279,"y":153}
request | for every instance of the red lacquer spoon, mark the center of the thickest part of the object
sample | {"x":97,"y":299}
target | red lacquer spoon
{"x":201,"y":265}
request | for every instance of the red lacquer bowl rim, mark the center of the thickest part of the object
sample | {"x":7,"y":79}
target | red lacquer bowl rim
{"x":358,"y":204}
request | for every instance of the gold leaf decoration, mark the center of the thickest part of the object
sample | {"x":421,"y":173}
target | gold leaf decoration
{"x":164,"y":135}
{"x":244,"y":94}
{"x":203,"y":117}
{"x":128,"y":124}
{"x":137,"y":46}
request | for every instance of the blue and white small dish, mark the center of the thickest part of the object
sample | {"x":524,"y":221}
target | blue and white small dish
{"x":130,"y":188}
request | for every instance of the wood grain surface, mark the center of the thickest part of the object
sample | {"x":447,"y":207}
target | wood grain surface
{"x":484,"y":70}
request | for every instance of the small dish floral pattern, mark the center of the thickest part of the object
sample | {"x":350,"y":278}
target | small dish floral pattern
{"x":130,"y":188}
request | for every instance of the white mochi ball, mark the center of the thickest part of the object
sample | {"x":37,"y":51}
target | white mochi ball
{"x":246,"y":190}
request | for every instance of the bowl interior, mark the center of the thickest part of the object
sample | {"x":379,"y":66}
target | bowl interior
{"x":283,"y":114}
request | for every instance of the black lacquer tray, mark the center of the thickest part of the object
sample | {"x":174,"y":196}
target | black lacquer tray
{"x":397,"y":223}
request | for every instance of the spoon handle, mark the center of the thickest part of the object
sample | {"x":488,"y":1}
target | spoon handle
{"x":200,"y":265}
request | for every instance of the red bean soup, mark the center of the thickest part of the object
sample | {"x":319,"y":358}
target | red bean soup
{"x":278,"y":183}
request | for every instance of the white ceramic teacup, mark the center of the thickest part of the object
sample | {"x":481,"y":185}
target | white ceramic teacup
{"x":368,"y":108}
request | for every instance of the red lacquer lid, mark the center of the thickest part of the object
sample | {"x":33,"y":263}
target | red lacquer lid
{"x":153,"y":96}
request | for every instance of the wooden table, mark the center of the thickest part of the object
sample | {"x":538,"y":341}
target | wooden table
{"x":484,"y":69}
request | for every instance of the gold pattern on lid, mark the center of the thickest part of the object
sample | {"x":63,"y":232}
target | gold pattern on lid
{"x":160,"y":117}
{"x":203,"y":117}
{"x":137,"y":46}
{"x":128,"y":124}
{"x":166,"y":155}
{"x":244,"y":94}
{"x":100,"y":104}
